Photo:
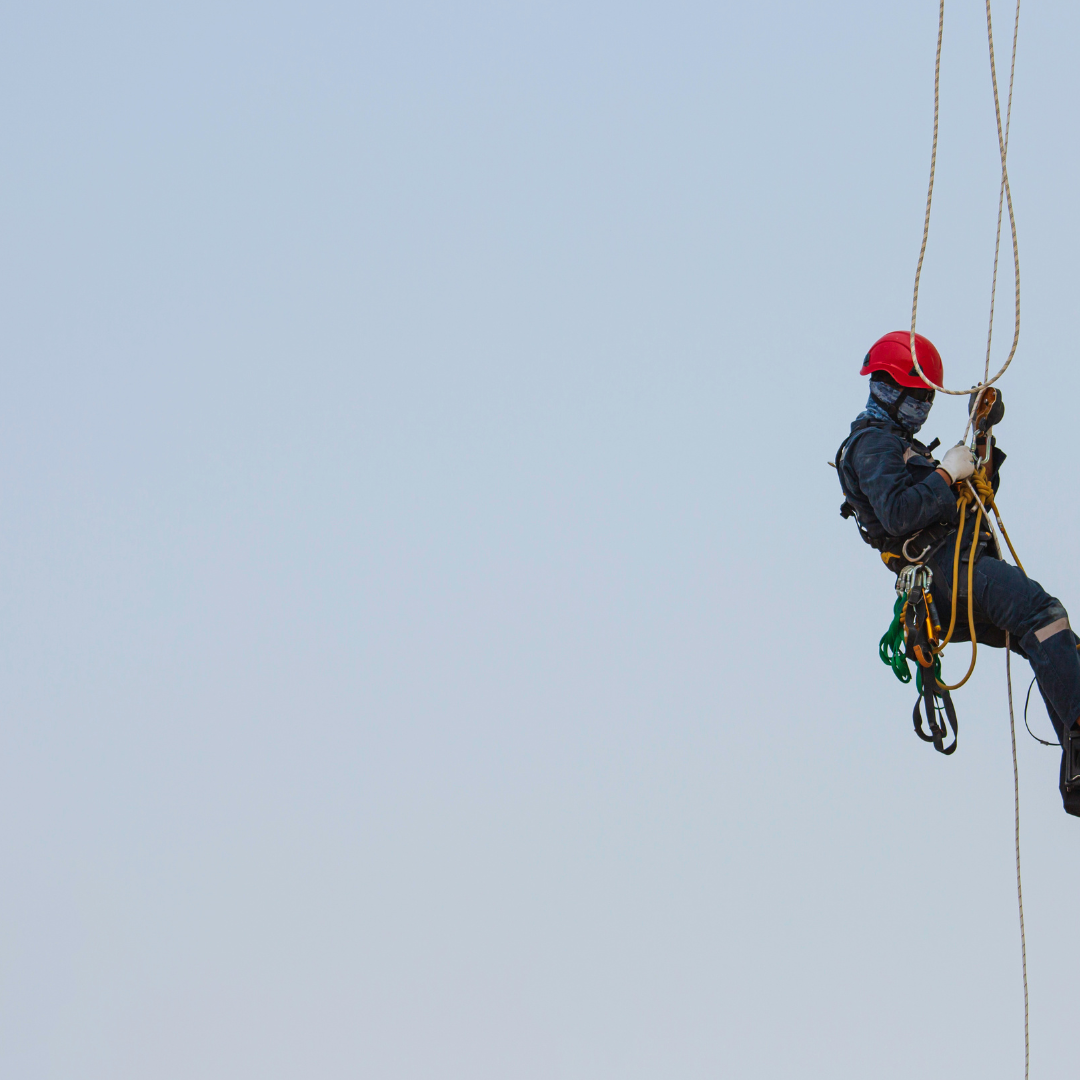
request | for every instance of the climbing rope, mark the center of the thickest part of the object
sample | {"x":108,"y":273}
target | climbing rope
{"x":978,"y":490}
{"x":1001,"y":191}
{"x":979,"y":485}
{"x":1016,"y":834}
{"x":1005,"y":197}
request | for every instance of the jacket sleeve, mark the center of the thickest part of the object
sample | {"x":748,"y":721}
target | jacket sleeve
{"x":902,"y":504}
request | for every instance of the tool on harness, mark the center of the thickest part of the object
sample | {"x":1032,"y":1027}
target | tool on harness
{"x":922,"y":631}
{"x":914,"y":634}
{"x":940,"y":714}
{"x":913,"y":558}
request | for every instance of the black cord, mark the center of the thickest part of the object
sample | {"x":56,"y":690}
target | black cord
{"x":1030,"y":732}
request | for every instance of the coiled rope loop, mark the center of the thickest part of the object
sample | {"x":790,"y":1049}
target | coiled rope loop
{"x":1004,"y":199}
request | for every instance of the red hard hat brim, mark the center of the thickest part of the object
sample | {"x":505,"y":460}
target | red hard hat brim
{"x":892,"y":354}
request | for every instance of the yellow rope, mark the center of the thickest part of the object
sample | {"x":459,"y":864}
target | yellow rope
{"x":980,"y":492}
{"x":962,"y":502}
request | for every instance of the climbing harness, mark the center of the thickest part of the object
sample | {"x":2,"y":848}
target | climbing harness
{"x":915,"y":632}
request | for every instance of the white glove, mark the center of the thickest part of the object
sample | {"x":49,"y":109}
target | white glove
{"x":959,"y":462}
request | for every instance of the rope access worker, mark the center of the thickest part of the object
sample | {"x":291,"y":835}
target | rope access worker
{"x":903,"y":501}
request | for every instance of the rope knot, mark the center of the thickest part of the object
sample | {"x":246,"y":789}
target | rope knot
{"x":981,"y":483}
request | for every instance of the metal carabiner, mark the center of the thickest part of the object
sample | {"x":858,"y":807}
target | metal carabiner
{"x":915,"y":575}
{"x":914,"y":558}
{"x":905,"y":580}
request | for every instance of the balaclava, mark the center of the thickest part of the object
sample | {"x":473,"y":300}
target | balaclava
{"x":911,"y":415}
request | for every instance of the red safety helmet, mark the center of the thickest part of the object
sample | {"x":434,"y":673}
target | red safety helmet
{"x":892,"y":353}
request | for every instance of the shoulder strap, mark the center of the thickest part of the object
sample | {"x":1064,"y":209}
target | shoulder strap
{"x":847,"y":508}
{"x":857,"y":429}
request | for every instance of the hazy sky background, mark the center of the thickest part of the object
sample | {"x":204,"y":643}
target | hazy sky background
{"x":430,"y":646}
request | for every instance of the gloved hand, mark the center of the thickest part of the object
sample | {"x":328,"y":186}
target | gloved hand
{"x":959,"y":462}
{"x":996,"y":413}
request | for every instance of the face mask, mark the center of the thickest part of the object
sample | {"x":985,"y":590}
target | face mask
{"x":911,"y":415}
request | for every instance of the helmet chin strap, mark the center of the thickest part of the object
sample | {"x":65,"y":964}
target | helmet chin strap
{"x":894,"y":409}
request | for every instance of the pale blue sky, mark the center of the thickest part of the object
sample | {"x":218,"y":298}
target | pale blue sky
{"x":430,"y":647}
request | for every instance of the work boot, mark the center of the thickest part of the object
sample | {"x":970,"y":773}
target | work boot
{"x":1069,"y":782}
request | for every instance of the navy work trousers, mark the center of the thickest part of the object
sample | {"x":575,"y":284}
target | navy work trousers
{"x":1037,"y":622}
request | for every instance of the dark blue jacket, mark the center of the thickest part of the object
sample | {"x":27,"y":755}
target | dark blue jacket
{"x":890,"y":480}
